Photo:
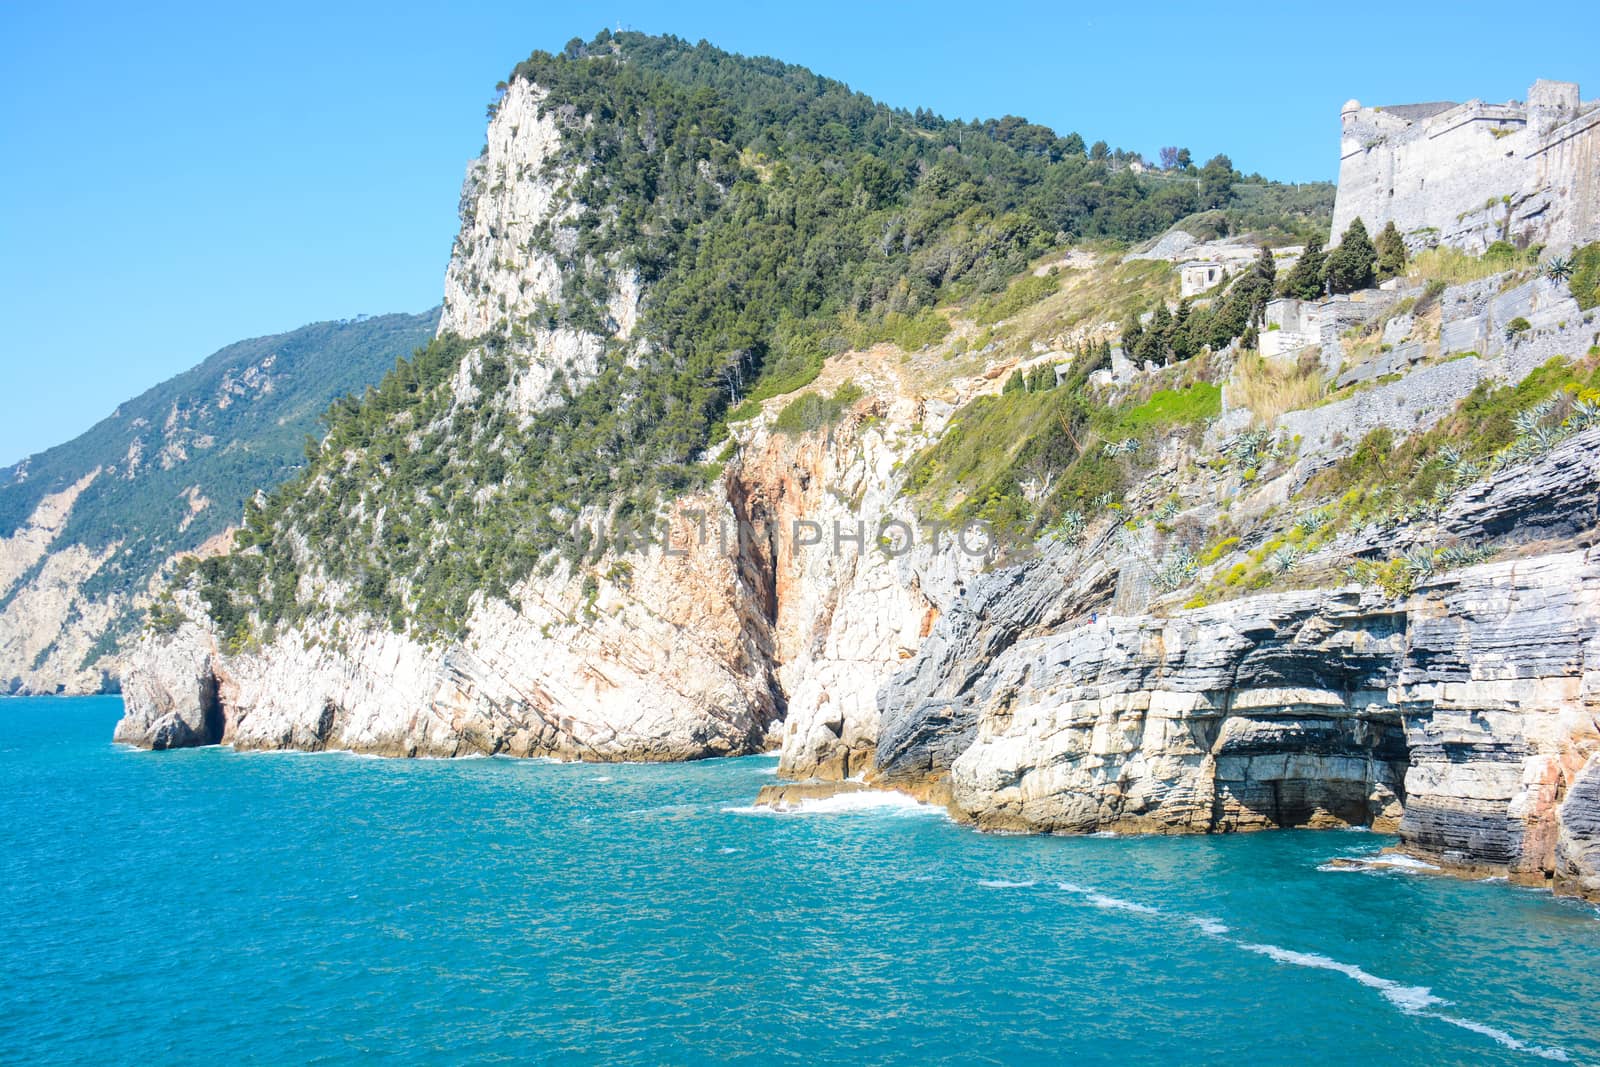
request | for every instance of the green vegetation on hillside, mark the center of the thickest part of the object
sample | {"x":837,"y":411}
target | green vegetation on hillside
{"x":775,"y":217}
{"x":1584,"y":278}
{"x":1395,"y":480}
{"x":1035,"y":454}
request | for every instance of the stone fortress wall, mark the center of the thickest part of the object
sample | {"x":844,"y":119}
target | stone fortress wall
{"x":1470,"y":174}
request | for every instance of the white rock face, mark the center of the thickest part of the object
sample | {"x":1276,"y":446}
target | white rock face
{"x":642,"y":655}
{"x":497,"y":272}
{"x":47,"y":627}
{"x":503,"y":275}
{"x":849,"y":607}
{"x":661,"y":661}
{"x":27,"y":546}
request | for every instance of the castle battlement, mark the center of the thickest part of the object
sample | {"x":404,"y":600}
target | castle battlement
{"x":1468,"y":174}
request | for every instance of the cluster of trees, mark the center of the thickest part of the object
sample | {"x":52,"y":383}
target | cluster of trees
{"x":1357,"y":263}
{"x":1171,"y":336}
{"x":1090,"y":357}
{"x":1035,"y":380}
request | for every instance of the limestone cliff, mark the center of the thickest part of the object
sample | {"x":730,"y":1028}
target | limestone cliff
{"x":1462,"y":714}
{"x":735,"y":634}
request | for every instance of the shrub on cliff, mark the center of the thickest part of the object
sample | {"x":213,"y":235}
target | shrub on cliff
{"x":814,"y":411}
{"x":1585,"y":278}
{"x":1391,"y":248}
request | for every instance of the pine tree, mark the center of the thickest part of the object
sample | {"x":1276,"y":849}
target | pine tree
{"x":1266,"y":268}
{"x":1182,"y":344}
{"x":1391,"y":252}
{"x":1148,"y":350}
{"x":1161,"y":330}
{"x":1350,"y":266}
{"x":1132,"y":333}
{"x":1304,"y":280}
{"x":1216,"y":182}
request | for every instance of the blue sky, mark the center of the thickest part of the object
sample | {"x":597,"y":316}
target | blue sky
{"x":177,"y":177}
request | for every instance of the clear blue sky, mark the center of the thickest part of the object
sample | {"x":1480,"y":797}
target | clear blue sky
{"x":176,"y":177}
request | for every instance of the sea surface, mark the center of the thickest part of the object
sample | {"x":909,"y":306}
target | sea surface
{"x":208,"y":906}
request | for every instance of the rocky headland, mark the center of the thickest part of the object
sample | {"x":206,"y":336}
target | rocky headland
{"x":1337,"y":569}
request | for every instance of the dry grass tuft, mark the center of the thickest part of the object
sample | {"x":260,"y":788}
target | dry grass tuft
{"x":1270,"y":387}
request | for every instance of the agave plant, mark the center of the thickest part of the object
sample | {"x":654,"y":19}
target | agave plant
{"x":1250,"y":448}
{"x":1558,"y":269}
{"x":1454,"y":556}
{"x":1313,"y":521}
{"x":1176,"y":569}
{"x":1285,"y":558}
{"x":1547,"y":437}
{"x":1420,"y":561}
{"x":1070,"y":527}
{"x":1127,"y":446}
{"x":1527,"y":422}
{"x":1585,"y":413}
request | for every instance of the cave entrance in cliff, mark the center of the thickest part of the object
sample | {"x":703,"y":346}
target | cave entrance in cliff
{"x":213,"y":722}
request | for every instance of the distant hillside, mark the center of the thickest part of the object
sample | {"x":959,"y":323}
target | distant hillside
{"x":85,"y":525}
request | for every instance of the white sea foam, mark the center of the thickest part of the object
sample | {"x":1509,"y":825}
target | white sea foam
{"x":1101,"y":900}
{"x":602,"y":778}
{"x":1000,"y":883}
{"x":1515,"y":1044}
{"x":728,"y":850}
{"x":1384,"y":861}
{"x":1400,"y":861}
{"x":1408,"y":998}
{"x":864,"y":801}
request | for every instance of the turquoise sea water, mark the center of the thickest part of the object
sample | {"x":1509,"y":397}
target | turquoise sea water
{"x":207,"y":906}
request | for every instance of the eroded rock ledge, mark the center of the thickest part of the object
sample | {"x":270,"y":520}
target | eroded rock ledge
{"x":1465,"y":717}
